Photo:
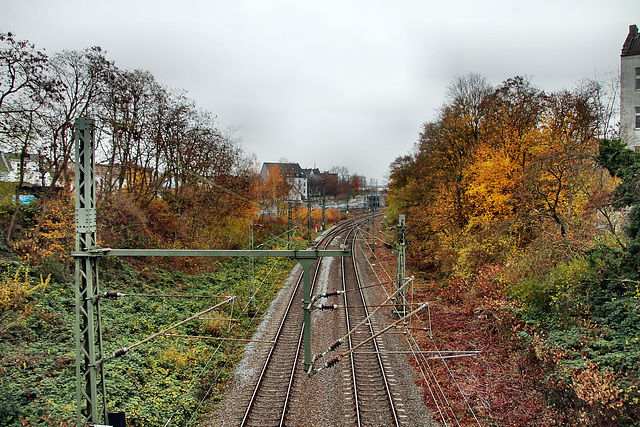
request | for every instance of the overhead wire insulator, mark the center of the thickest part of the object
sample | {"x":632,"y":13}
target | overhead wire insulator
{"x":120,"y":352}
{"x":332,"y":361}
{"x":334,"y":293}
{"x":335,"y":344}
{"x":326,"y":295}
{"x":328,"y":306}
{"x":113,"y":294}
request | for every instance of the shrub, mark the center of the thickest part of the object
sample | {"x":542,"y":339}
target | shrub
{"x":16,"y":291}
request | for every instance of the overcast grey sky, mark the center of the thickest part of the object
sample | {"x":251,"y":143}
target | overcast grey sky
{"x":335,"y":83}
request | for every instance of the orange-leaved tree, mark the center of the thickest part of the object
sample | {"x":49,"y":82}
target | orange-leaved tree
{"x":275,"y":190}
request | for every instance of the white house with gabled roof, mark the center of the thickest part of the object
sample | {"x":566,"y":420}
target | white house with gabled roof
{"x":292,"y":172}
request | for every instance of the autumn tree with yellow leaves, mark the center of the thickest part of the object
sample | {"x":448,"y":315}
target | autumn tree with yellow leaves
{"x":512,"y":159}
{"x":517,"y":181}
{"x":275,"y":190}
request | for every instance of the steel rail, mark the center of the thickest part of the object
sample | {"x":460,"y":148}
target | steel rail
{"x":359,"y":395}
{"x":438,"y":396}
{"x":375,"y":344}
{"x":353,"y":372}
{"x":261,"y":378}
{"x":326,"y":240}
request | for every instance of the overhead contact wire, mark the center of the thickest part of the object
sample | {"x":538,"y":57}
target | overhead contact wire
{"x":364,"y":321}
{"x":227,"y":362}
{"x":346,"y":353}
{"x":124,"y":350}
{"x":419,"y":356}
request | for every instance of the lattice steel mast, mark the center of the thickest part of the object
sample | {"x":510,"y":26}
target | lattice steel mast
{"x":89,"y":375}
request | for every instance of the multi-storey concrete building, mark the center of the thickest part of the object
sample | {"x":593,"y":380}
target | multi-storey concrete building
{"x":630,"y":90}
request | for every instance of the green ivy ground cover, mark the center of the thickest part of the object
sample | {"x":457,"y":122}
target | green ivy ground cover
{"x":166,"y":377}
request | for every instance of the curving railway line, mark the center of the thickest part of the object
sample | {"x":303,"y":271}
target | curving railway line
{"x":272,"y":391}
{"x":374,"y":403}
{"x":361,"y":390}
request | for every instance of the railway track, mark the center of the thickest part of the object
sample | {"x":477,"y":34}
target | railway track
{"x":374,"y":403}
{"x":360,"y":390}
{"x":270,"y":396}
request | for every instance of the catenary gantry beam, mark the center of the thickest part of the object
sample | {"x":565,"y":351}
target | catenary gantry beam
{"x":305,"y":258}
{"x":256,"y":253}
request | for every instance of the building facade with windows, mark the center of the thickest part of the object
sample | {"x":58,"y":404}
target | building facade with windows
{"x":34,"y":174}
{"x":292,"y":172}
{"x":630,"y":90}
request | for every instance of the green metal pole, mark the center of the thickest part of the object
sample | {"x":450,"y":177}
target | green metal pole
{"x":324,"y":202}
{"x":290,"y":220}
{"x":256,"y":253}
{"x":401,"y":262}
{"x":89,"y":376}
{"x":306,"y":266}
{"x":253,"y":271}
{"x":306,"y":258}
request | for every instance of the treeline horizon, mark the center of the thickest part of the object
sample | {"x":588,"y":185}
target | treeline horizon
{"x":155,"y":147}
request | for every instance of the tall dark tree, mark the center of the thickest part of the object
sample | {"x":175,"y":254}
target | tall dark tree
{"x":24,"y":81}
{"x":81,"y":76}
{"x":26,"y":89}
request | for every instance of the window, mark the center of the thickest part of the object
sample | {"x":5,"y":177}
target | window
{"x":637,"y":79}
{"x":637,"y":117}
